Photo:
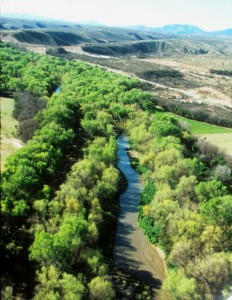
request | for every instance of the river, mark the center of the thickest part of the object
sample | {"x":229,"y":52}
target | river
{"x":58,"y":89}
{"x":132,"y":252}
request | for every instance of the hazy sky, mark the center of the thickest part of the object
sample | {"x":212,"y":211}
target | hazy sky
{"x":207,"y":14}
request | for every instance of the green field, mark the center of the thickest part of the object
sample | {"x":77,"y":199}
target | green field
{"x":217,"y":135}
{"x":9,"y":143}
{"x":223,"y":141}
{"x":197,"y":127}
{"x":8,"y":123}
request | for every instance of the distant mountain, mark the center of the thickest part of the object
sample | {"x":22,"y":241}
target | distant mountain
{"x":25,"y":18}
{"x":175,"y":29}
{"x":32,"y":22}
{"x":92,"y":23}
{"x":179,"y":29}
{"x":22,"y":21}
{"x":33,"y":17}
{"x":226,"y":32}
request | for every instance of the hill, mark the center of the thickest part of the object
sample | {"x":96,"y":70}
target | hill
{"x":226,"y":32}
{"x":9,"y":23}
{"x":13,"y":22}
{"x":115,"y":41}
{"x":179,"y":29}
{"x":85,"y":36}
{"x":197,"y":64}
{"x":112,"y":41}
{"x":158,"y":47}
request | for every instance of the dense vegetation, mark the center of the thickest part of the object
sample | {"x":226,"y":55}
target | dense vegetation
{"x":27,"y":105}
{"x":155,"y":74}
{"x":221,"y":72}
{"x":185,"y":206}
{"x":51,"y":233}
{"x":200,"y":112}
{"x":56,"y":232}
{"x":29,"y":72}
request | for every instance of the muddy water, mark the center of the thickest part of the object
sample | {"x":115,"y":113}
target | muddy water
{"x":132,"y":252}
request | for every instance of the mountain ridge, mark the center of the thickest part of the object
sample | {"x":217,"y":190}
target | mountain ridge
{"x":9,"y":22}
{"x":179,"y":29}
{"x":184,"y":29}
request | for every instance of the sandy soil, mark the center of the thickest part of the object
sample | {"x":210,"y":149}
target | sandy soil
{"x":36,"y":49}
{"x":176,"y":64}
{"x":15,"y":143}
{"x":8,"y":147}
{"x":79,"y":50}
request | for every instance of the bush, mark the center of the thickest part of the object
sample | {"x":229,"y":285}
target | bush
{"x":180,"y":287}
{"x":150,"y":229}
{"x":100,"y":289}
{"x":148,"y":193}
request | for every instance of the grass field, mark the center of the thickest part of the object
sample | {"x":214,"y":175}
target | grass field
{"x":222,"y":140}
{"x":197,"y":127}
{"x":9,"y":143}
{"x":217,"y":135}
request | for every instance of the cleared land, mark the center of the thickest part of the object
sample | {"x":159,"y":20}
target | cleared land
{"x":222,"y":140}
{"x":9,"y":143}
{"x":217,"y":135}
{"x":197,"y":74}
{"x":197,"y":127}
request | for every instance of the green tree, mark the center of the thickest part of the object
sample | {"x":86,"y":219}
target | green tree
{"x":180,"y":287}
{"x":211,"y":189}
{"x":218,"y":212}
{"x":214,"y":272}
{"x":62,"y":247}
{"x":7,"y":293}
{"x":55,"y":285}
{"x":183,"y":252}
{"x":109,"y":182}
{"x":164,"y":125}
{"x":185,"y":189}
{"x":101,"y":288}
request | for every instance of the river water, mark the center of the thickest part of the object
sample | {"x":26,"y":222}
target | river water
{"x":58,"y":89}
{"x":132,"y":252}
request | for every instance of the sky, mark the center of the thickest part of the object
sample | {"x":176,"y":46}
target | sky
{"x":207,"y":14}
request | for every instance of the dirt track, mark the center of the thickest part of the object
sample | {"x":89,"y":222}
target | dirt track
{"x":132,"y":252}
